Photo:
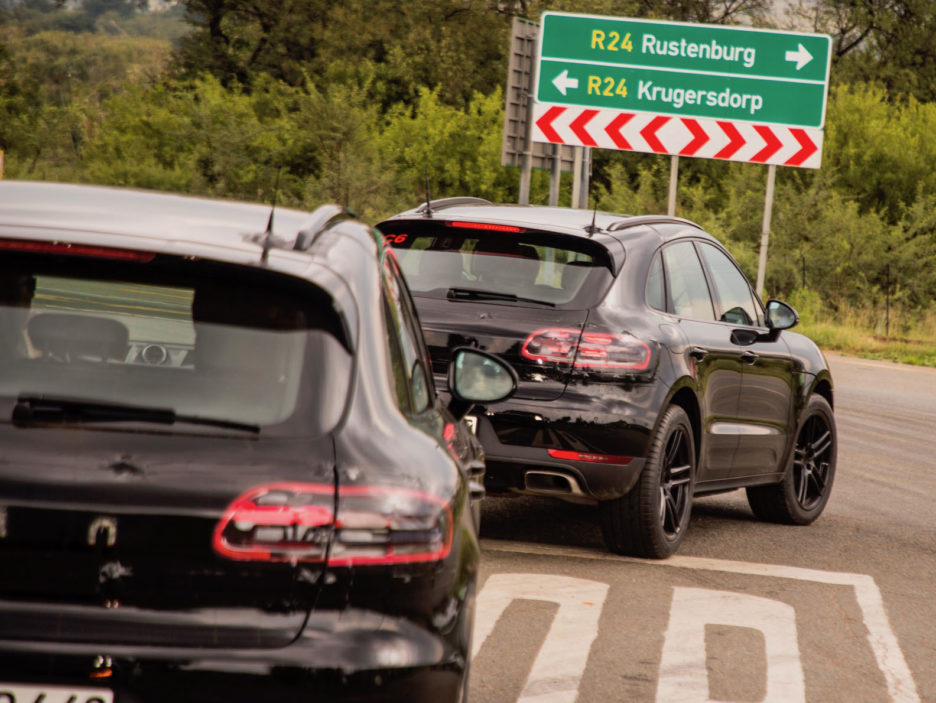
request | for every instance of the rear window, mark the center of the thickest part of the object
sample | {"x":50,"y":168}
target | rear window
{"x":537,"y":267}
{"x":200,"y":339}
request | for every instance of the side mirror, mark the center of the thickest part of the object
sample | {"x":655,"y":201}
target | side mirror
{"x":475,"y":376}
{"x":780,"y":316}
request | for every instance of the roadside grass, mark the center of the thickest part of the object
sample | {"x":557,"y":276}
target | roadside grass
{"x":865,"y":344}
{"x":863,"y":332}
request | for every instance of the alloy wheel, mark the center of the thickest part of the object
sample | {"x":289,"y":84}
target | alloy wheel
{"x":674,"y":484}
{"x":811,"y":461}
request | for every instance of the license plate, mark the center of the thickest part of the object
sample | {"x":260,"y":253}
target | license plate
{"x":23,"y":693}
{"x":472,"y":423}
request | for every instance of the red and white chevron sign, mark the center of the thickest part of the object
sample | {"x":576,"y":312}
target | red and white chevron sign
{"x":681,"y":136}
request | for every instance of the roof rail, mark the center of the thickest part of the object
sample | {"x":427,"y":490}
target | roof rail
{"x":443,"y":203}
{"x":321,"y":219}
{"x":648,"y":220}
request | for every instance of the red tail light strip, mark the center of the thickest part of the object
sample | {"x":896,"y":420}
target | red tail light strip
{"x":591,"y":350}
{"x":294,"y":522}
{"x":75,"y":250}
{"x":588,"y":456}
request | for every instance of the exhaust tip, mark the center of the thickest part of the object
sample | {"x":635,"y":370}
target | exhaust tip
{"x":551,"y":483}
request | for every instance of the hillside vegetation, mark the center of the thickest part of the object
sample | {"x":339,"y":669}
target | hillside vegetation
{"x":354,"y":101}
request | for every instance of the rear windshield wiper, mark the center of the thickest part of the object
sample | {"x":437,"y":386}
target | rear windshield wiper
{"x":475,"y":294}
{"x":40,"y":409}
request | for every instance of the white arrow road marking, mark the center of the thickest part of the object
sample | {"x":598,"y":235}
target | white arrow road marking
{"x":563,"y":82}
{"x":557,"y":671}
{"x":683,"y":673}
{"x":901,"y":688}
{"x":801,"y":56}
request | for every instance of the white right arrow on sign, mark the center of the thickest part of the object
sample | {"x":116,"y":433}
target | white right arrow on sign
{"x":801,"y":56}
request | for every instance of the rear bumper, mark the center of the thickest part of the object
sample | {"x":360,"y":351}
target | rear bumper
{"x":517,"y":437}
{"x":353,"y":655}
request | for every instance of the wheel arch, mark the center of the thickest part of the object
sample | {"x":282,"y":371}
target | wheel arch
{"x":686,"y":398}
{"x":823,"y":387}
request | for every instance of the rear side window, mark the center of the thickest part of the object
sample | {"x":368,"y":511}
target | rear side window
{"x":536,"y":267}
{"x":656,"y":290}
{"x":688,"y":290}
{"x":408,"y":357}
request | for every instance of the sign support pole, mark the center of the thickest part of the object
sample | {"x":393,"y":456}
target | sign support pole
{"x":556,"y":176}
{"x":765,"y":230}
{"x":673,"y":182}
{"x":577,"y":176}
{"x":584,"y":187}
{"x":526,"y":169}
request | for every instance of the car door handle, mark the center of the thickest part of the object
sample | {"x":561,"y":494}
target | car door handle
{"x":476,"y":490}
{"x":698,"y":353}
{"x":749,"y":357}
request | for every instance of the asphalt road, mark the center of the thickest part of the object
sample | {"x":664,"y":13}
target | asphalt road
{"x":842,"y":610}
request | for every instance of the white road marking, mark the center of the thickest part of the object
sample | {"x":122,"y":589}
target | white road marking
{"x":560,"y":664}
{"x":901,"y":687}
{"x":683,"y":672}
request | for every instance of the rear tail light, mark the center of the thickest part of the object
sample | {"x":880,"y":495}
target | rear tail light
{"x":587,"y":350}
{"x":295,"y":522}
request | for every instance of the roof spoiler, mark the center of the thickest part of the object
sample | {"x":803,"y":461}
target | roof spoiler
{"x":443,"y":203}
{"x":322,"y":219}
{"x":649,"y":220}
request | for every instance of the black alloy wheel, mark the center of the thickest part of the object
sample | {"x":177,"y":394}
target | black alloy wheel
{"x":652,"y":519}
{"x":802,"y":495}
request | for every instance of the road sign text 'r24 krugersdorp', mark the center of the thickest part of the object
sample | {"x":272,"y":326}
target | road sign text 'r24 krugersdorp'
{"x":707,"y":91}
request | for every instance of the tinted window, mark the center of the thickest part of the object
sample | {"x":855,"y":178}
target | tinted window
{"x":214,"y":344}
{"x":688,"y":291}
{"x":398,"y":372}
{"x":555,"y":269}
{"x":736,"y":302}
{"x":656,"y":291}
{"x":412,"y":349}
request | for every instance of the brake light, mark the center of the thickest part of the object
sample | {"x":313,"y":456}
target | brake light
{"x":487,"y":226}
{"x":588,"y":350}
{"x":295,"y":522}
{"x":75,"y":250}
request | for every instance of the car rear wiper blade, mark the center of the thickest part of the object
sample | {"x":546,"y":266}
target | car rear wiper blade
{"x":475,"y":294}
{"x":41,"y":409}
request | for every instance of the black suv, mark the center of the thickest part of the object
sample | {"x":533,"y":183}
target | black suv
{"x":649,"y":370}
{"x":226,"y":474}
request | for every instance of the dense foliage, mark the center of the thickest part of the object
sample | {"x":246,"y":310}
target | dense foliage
{"x":356,"y":101}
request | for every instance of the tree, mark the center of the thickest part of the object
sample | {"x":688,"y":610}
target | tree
{"x":889,"y":42}
{"x":458,"y":148}
{"x":236,"y":39}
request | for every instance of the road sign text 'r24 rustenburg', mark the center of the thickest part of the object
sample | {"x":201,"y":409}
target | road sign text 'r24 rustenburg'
{"x":707,"y":91}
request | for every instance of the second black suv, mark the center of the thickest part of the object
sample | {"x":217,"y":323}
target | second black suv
{"x":649,"y":370}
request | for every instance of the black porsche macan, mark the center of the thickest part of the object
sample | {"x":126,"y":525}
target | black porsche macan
{"x":650,"y":372}
{"x":226,"y":474}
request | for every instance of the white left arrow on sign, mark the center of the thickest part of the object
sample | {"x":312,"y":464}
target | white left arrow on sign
{"x":563,"y":82}
{"x":801,"y":56}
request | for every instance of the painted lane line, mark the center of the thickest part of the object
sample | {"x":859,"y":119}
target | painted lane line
{"x":901,"y":687}
{"x":557,"y":671}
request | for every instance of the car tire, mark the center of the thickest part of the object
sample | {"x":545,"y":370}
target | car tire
{"x":804,"y":491}
{"x":651,"y":520}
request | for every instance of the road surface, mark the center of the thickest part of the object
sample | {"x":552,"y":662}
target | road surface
{"x":842,"y":610}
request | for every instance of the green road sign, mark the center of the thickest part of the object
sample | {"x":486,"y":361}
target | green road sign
{"x":675,"y":68}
